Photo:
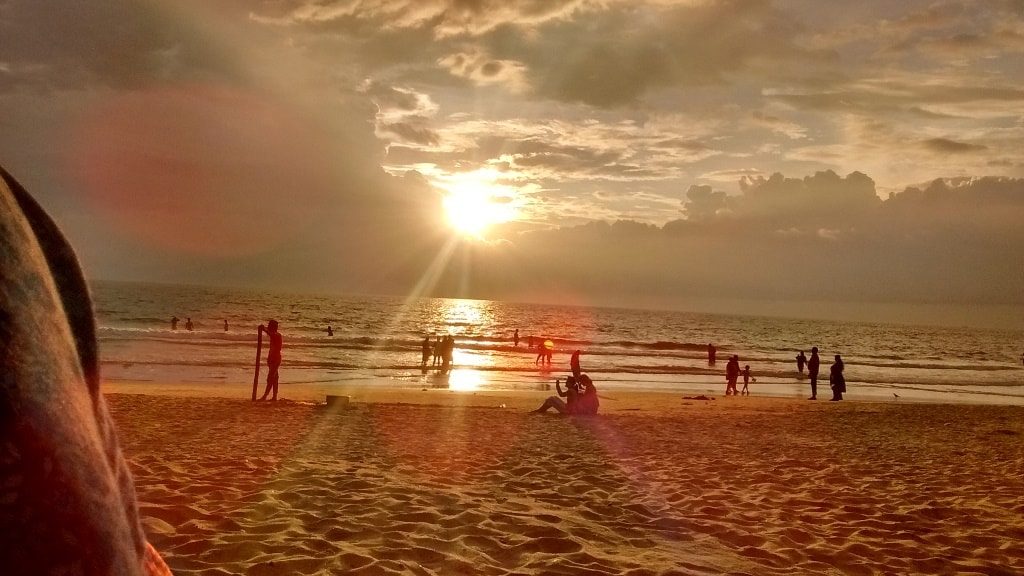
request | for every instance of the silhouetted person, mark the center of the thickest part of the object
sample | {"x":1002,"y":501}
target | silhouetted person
{"x":712,"y":352}
{"x":732,"y":373}
{"x":174,"y":322}
{"x":330,"y":331}
{"x":225,"y":325}
{"x":836,"y":379}
{"x":273,"y":358}
{"x":587,"y":402}
{"x":571,"y":393}
{"x":574,"y":364}
{"x":438,"y":348}
{"x":427,"y":350}
{"x":812,"y":372}
{"x":746,"y":380}
{"x":515,"y":338}
{"x":188,"y":324}
{"x":541,"y":353}
{"x":447,"y":353}
{"x":800,"y":361}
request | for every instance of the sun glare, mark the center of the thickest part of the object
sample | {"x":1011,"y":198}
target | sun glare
{"x":474,"y":202}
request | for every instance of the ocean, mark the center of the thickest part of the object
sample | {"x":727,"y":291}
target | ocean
{"x":377,"y":339}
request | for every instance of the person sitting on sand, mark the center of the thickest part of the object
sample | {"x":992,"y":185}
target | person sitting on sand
{"x":587,"y":404}
{"x":571,"y":394}
{"x":273,"y":358}
{"x":836,"y":380}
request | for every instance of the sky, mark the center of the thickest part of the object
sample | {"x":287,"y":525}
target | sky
{"x":777,"y":156}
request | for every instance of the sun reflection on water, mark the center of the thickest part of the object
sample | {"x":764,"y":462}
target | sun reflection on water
{"x":465,"y":380}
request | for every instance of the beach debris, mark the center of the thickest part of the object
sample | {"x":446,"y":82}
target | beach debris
{"x":701,"y":397}
{"x":339,"y":402}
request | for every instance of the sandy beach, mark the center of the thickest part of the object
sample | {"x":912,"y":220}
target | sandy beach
{"x":439,"y":482}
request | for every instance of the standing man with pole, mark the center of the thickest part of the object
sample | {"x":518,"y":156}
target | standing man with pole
{"x":273,"y":358}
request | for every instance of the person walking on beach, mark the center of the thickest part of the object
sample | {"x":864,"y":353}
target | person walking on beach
{"x":273,"y":358}
{"x":836,"y":380}
{"x":812,"y":372}
{"x":574,"y":364}
{"x":188,"y":324}
{"x":732,"y":373}
{"x":800,"y":361}
{"x":712,"y":352}
{"x":427,"y":350}
{"x":515,"y":339}
{"x":746,"y":381}
{"x":174,"y":322}
{"x":541,"y":354}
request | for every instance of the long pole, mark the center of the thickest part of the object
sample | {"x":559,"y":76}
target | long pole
{"x":259,"y":351}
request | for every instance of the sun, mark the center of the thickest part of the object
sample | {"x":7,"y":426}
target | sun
{"x":474,"y":205}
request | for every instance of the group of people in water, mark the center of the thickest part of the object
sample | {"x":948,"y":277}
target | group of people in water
{"x":836,"y":379}
{"x":189,"y":325}
{"x":441,"y":350}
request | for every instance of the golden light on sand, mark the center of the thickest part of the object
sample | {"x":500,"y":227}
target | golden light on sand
{"x":475,"y":201}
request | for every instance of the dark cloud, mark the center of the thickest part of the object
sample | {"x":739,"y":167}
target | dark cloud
{"x":947,"y":146}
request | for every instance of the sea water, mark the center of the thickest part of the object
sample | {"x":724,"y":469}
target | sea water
{"x":378,"y":339}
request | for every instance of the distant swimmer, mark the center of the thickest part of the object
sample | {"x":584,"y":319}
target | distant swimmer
{"x":812,"y":372}
{"x":515,"y":338}
{"x":188,"y":324}
{"x":427,"y":350}
{"x":174,"y":322}
{"x":800,"y":361}
{"x":330,"y":331}
{"x":225,"y":325}
{"x":273,"y":358}
{"x":574,"y":364}
{"x":712,"y":352}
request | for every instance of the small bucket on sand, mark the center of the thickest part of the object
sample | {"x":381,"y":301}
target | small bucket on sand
{"x":337,"y":402}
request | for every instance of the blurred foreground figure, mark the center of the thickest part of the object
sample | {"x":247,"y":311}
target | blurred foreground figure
{"x":67,"y":503}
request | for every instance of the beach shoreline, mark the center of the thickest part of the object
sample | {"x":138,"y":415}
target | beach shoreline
{"x":443,"y":482}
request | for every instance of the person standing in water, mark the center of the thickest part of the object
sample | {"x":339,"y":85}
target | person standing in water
{"x":427,"y":350}
{"x":732,"y":373}
{"x":515,"y":339}
{"x":574,"y":364}
{"x":273,"y":358}
{"x":812,"y":372}
{"x":188,"y":324}
{"x":800,"y":361}
{"x":174,"y":322}
{"x":225,"y":324}
{"x":712,"y":352}
{"x":836,"y":380}
{"x":746,"y":381}
{"x":437,"y":351}
{"x":330,"y":331}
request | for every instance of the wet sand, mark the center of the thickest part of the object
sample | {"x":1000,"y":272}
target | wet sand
{"x":440,"y":482}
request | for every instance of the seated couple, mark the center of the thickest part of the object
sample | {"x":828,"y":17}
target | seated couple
{"x":580,"y":397}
